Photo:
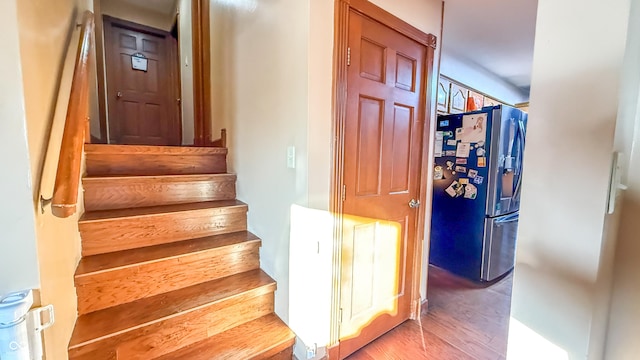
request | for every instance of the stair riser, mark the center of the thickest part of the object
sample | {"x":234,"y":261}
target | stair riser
{"x":109,"y":235}
{"x":111,"y":288}
{"x":286,"y":354}
{"x":155,"y":164}
{"x":121,"y":193}
{"x":172,"y":334}
{"x":263,"y":338}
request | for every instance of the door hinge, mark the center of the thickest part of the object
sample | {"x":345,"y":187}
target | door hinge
{"x":348,"y":56}
{"x":344,"y":192}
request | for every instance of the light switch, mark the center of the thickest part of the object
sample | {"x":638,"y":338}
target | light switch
{"x":291,"y":157}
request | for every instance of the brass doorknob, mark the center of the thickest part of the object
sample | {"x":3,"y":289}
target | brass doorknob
{"x":414,"y":203}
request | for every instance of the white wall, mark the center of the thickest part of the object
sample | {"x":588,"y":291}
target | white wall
{"x":185,"y":42}
{"x":564,"y":256}
{"x":624,"y":323}
{"x":46,"y":32}
{"x":480,"y":79}
{"x":266,"y":81}
{"x":272,"y":88}
{"x":18,"y":254}
{"x":137,"y":14}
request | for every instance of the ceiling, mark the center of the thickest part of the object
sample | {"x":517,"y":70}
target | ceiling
{"x":166,"y":7}
{"x":496,"y":35}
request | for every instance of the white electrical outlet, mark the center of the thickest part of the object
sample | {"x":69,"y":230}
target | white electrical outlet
{"x":311,"y":351}
{"x":291,"y":157}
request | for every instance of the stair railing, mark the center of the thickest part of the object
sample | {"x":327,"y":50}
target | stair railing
{"x":222,"y":142}
{"x":76,"y":130}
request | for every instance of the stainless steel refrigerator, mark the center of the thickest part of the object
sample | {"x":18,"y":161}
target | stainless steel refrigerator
{"x":476,"y":196}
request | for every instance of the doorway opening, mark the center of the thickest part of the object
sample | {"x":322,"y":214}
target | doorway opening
{"x":152,"y":73}
{"x":142,"y":84}
{"x":480,"y":132}
{"x":386,"y":66}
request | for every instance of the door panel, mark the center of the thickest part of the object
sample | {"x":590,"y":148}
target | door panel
{"x":401,"y":144}
{"x":142,"y":105}
{"x":383,"y":145}
{"x":370,"y":123}
{"x":505,"y":161}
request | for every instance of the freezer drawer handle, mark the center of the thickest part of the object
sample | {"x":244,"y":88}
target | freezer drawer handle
{"x":414,"y":203}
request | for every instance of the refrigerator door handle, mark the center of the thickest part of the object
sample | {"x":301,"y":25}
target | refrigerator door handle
{"x":521,"y":130}
{"x":508,"y":218}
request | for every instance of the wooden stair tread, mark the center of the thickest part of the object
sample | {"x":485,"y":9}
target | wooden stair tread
{"x":260,"y":338}
{"x":154,"y":160}
{"x":112,"y":321}
{"x":122,"y":192}
{"x":164,"y":209}
{"x":109,"y":261}
{"x":158,"y":178}
{"x":152,"y":150}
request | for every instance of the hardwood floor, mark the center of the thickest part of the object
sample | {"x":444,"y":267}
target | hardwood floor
{"x":466,"y":321}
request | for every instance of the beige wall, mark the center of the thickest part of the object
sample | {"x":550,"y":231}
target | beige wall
{"x":564,"y":257}
{"x":18,"y":254}
{"x":126,"y":11}
{"x":267,"y":85}
{"x":480,"y":79}
{"x":624,"y":324}
{"x":45,"y":31}
{"x":272,"y":88}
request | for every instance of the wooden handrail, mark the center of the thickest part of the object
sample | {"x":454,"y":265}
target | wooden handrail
{"x":65,"y":191}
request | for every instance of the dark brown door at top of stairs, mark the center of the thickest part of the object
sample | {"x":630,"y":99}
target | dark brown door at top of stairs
{"x":143,"y":105}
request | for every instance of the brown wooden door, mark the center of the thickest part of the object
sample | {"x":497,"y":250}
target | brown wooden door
{"x":143,"y":105}
{"x":383,"y":145}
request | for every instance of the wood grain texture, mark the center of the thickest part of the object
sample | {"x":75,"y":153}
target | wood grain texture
{"x":201,"y":72}
{"x":121,"y":285}
{"x":286,"y":354}
{"x":107,"y":193}
{"x":167,"y":262}
{"x":264,"y":338}
{"x":340,"y":58}
{"x":222,"y":141}
{"x":382,"y":170}
{"x":142,"y":104}
{"x":117,"y":230}
{"x":65,"y":191}
{"x":176,"y":332}
{"x":90,"y":265}
{"x":106,"y":160}
{"x":110,"y":322}
{"x":465,"y":321}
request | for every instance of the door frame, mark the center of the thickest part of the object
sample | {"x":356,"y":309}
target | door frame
{"x":340,"y":58}
{"x":201,"y":65}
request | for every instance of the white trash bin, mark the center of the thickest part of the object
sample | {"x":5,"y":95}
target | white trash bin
{"x":14,"y":338}
{"x":20,"y":328}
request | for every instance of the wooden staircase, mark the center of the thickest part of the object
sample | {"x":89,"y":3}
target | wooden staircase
{"x":169,"y":270}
